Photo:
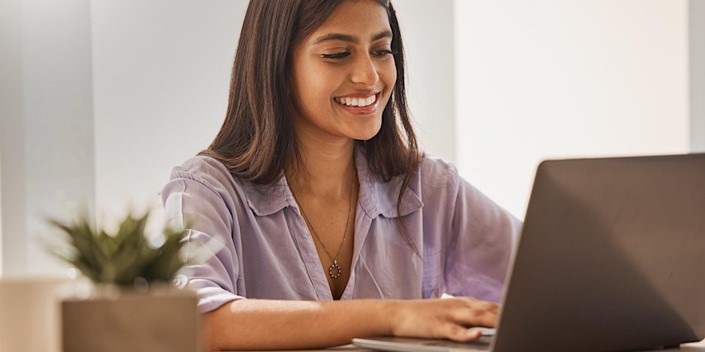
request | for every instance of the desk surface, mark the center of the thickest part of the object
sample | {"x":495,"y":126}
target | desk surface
{"x":698,"y":346}
{"x":691,"y":347}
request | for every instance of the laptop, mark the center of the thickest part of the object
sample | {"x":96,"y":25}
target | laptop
{"x":611,"y":258}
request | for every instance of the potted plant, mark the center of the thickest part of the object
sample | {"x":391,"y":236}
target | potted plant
{"x":133,"y":304}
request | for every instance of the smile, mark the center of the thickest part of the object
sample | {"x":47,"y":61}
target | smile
{"x":356,"y":102}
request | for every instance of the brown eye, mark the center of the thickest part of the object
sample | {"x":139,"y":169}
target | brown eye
{"x":382,"y":53}
{"x":336,"y":56}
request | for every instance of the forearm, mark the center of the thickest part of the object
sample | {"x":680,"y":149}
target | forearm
{"x":266,"y":324}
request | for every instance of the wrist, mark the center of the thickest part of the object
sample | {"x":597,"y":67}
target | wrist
{"x":391,"y":315}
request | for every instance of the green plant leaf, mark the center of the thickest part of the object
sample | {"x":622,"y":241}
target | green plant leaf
{"x":124,"y":257}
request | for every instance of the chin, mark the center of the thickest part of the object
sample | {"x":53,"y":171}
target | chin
{"x":364,"y":137}
{"x":364,"y":133}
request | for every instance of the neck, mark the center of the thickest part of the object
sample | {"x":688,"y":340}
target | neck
{"x":327,"y":169}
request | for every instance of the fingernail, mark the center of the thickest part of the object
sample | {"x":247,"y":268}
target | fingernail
{"x":474,"y":332}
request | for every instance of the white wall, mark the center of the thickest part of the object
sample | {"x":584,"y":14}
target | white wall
{"x":565,"y":78}
{"x":546,"y":78}
{"x":427,"y":29}
{"x":47,"y":126}
{"x":161,"y":79}
{"x":10,"y":108}
{"x":696,"y":34}
{"x":160,"y":87}
{"x":1,"y":213}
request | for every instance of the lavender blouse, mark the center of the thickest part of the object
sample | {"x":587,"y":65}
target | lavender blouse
{"x":258,"y":245}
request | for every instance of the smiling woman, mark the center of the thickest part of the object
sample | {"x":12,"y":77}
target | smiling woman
{"x":351,"y":61}
{"x":518,"y":73}
{"x":330,"y":223}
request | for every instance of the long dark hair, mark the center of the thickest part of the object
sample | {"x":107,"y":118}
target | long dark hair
{"x":257,"y":141}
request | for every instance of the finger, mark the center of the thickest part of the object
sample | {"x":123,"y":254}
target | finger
{"x":487,"y":306}
{"x":493,"y":307}
{"x":462,"y":334}
{"x":476,"y":316}
{"x":472,"y":302}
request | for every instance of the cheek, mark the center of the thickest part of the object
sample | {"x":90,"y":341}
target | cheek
{"x":314,"y":93}
{"x":388,"y":74}
{"x":311,"y":90}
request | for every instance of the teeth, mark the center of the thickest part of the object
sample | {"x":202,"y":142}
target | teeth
{"x":358,"y":102}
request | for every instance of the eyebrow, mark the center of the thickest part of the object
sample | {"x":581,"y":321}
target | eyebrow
{"x":350,"y":38}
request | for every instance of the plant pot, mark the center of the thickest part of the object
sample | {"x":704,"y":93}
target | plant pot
{"x":162,"y":318}
{"x":29,"y":314}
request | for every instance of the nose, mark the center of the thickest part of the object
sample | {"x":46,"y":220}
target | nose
{"x":364,"y":71}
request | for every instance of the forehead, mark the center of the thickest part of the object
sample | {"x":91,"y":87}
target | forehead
{"x":355,"y":17}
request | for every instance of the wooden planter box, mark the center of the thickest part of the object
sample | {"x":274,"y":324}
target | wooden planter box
{"x":160,"y":319}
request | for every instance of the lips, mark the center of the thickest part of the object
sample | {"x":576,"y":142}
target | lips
{"x":356,"y":101}
{"x":359,"y":103}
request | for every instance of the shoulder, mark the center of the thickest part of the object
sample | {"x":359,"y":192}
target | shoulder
{"x":434,"y":172}
{"x":206,"y":172}
{"x":214,"y":175}
{"x":433,"y":184}
{"x":201,"y":168}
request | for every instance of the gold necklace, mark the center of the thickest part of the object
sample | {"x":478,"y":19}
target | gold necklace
{"x":334,"y":270}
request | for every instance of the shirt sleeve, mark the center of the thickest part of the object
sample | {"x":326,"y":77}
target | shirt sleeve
{"x":197,"y":197}
{"x":480,"y":243}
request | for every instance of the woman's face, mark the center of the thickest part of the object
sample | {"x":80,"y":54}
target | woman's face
{"x":344,"y":73}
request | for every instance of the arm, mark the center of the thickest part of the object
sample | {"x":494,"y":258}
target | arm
{"x":267,"y":324}
{"x":480,"y":245}
{"x":233,"y":322}
{"x":470,"y":238}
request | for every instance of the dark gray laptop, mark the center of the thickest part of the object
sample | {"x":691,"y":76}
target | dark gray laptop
{"x":611,"y":258}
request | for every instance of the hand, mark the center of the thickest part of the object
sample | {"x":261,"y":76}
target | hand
{"x":443,"y":318}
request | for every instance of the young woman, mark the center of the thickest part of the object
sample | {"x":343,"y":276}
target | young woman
{"x":330,"y":223}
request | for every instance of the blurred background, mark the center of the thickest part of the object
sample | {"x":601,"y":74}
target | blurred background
{"x":99,"y":99}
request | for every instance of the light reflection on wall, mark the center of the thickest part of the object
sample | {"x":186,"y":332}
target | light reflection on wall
{"x":557,"y":78}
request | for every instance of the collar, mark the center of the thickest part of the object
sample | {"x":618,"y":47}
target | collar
{"x":375,"y":196}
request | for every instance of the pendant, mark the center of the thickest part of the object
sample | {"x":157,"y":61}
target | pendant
{"x":334,"y":270}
